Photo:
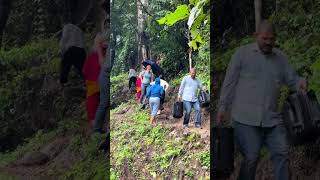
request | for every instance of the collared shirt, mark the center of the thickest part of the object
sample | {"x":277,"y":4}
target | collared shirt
{"x":252,"y":85}
{"x":189,"y":88}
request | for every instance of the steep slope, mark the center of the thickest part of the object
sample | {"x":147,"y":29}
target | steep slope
{"x":140,"y":151}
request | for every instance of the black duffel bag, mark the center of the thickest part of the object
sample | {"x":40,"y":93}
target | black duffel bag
{"x":204,"y":98}
{"x":177,"y":110}
{"x":222,"y":152}
{"x":301,"y":115}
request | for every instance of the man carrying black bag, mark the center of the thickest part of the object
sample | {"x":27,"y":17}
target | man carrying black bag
{"x":188,"y":93}
{"x":251,"y":88}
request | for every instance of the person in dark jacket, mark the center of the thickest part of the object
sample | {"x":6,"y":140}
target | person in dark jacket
{"x":73,"y":51}
{"x":154,"y":93}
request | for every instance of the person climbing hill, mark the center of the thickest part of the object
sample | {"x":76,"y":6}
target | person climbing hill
{"x":154,"y":94}
{"x":138,"y":87}
{"x":165,"y":86}
{"x":72,"y":50}
{"x":132,"y":77}
{"x":188,"y":93}
{"x":91,"y":71}
{"x":147,"y":78}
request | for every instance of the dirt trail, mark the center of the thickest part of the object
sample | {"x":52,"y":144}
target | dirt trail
{"x":175,"y":130}
{"x":166,"y":119}
{"x":52,"y":160}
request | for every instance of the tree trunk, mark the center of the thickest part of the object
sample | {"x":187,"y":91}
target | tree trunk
{"x":143,"y":49}
{"x":5,"y":8}
{"x":257,"y":12}
{"x":190,"y":58}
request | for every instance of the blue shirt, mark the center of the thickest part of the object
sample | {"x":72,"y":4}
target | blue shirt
{"x":147,"y":77}
{"x":155,"y":90}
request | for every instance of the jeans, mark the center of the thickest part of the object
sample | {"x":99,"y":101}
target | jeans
{"x":143,"y":92}
{"x":250,"y":139}
{"x":188,"y":107}
{"x":162,"y":100}
{"x":154,"y":105}
{"x":102,"y":108}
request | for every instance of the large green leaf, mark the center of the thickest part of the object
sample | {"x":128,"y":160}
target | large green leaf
{"x":193,"y":2}
{"x":196,"y":38}
{"x":180,"y":14}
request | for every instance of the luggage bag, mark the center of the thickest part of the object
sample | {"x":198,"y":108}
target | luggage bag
{"x":222,"y":151}
{"x":177,"y":109}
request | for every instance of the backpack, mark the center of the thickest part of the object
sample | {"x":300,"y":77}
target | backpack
{"x":204,"y":98}
{"x":301,"y":115}
{"x":177,"y":109}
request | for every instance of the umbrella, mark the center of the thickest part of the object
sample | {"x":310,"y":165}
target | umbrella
{"x":147,"y":62}
{"x":154,"y":66}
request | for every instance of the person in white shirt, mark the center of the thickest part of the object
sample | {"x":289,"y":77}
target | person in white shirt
{"x":188,"y":93}
{"x":165,"y":86}
{"x":132,"y":77}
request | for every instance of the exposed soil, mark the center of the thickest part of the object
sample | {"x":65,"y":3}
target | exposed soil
{"x":176,"y":131}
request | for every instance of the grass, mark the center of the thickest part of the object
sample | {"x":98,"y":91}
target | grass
{"x":32,"y":62}
{"x":152,"y":152}
{"x":91,"y":163}
{"x":6,"y":177}
{"x":118,"y":82}
{"x":152,"y":148}
{"x":32,"y":144}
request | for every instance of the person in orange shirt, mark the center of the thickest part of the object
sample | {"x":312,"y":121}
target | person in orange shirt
{"x":91,"y":71}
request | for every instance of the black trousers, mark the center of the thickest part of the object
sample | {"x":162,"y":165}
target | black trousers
{"x":132,"y":80}
{"x":73,"y":56}
{"x":162,"y":100}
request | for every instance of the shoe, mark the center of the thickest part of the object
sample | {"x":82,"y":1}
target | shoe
{"x":158,"y":113}
{"x":185,"y":126}
{"x":143,"y":106}
{"x":151,"y":120}
{"x":198,"y":126}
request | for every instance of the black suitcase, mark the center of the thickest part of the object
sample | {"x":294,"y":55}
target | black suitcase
{"x":204,"y":98}
{"x":177,"y":109}
{"x":314,"y":110}
{"x":301,"y":115}
{"x":222,"y":152}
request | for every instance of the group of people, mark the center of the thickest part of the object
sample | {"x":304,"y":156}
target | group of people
{"x":93,"y":68}
{"x":151,"y":87}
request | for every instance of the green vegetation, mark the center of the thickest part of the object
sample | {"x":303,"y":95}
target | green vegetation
{"x":89,"y":163}
{"x":21,"y":67}
{"x":297,"y":28}
{"x":118,"y":82}
{"x":147,"y":152}
{"x":297,"y":35}
{"x":144,"y":151}
{"x":23,"y":72}
{"x":93,"y":164}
